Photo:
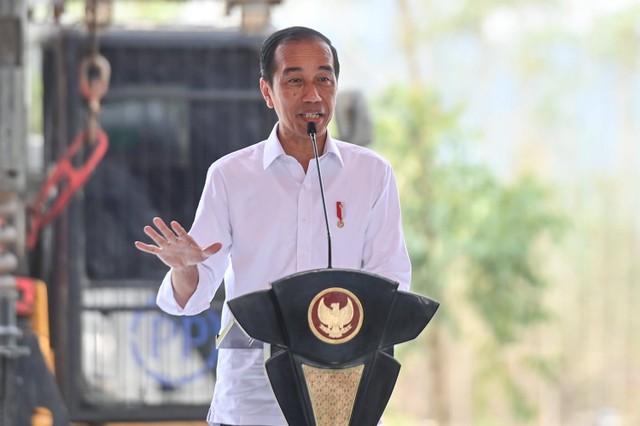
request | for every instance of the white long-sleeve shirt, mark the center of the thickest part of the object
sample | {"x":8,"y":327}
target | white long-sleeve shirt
{"x":267,"y":213}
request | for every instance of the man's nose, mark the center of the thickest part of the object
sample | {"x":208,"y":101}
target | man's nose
{"x":311,"y":93}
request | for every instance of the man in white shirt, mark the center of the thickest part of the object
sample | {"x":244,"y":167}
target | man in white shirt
{"x":260,"y":216}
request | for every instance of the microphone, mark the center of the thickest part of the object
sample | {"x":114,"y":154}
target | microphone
{"x":311,"y":130}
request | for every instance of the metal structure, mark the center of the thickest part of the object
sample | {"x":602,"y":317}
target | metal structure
{"x":255,"y":13}
{"x":177,"y":101}
{"x":12,"y":187}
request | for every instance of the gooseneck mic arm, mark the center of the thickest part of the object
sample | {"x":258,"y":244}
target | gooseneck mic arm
{"x":311,"y":130}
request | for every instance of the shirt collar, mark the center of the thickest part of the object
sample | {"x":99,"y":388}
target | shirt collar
{"x":273,"y":149}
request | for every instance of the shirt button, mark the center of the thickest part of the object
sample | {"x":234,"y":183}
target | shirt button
{"x":303,"y":255}
{"x":304,"y":220}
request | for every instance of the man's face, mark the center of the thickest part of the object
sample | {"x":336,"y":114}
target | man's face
{"x":304,"y":88}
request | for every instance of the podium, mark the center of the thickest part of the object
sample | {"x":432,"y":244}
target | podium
{"x":329,"y":336}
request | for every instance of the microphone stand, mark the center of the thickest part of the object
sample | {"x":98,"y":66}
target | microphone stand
{"x":311,"y":130}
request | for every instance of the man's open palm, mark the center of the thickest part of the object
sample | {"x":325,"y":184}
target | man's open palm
{"x":174,"y":246}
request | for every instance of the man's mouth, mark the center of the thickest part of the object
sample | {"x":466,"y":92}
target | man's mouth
{"x":311,"y":115}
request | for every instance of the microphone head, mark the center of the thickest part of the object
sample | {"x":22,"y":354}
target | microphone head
{"x":311,"y":128}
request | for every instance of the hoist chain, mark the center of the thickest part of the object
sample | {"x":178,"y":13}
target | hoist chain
{"x":66,"y":179}
{"x":95,"y":71}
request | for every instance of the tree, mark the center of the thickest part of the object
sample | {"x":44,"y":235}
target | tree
{"x":460,"y":219}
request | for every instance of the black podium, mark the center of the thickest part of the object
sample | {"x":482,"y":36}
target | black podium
{"x":330,"y":336}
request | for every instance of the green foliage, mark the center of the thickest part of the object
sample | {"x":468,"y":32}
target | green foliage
{"x":467,"y":229}
{"x":505,"y":284}
{"x":409,"y":126}
{"x":458,"y":213}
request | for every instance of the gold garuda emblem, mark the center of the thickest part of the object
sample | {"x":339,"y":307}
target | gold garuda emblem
{"x":335,"y":315}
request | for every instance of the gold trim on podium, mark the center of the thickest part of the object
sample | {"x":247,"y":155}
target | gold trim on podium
{"x":332,"y":393}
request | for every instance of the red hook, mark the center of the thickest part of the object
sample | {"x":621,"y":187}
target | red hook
{"x":75,"y":178}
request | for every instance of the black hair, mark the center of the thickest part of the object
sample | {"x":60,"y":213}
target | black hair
{"x":268,"y":49}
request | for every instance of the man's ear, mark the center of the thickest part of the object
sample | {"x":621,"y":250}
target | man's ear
{"x":266,"y":92}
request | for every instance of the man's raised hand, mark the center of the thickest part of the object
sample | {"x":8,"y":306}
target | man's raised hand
{"x":174,"y":246}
